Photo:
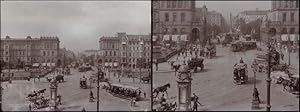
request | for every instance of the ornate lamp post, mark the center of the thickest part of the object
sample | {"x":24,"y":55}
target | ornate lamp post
{"x":53,"y":95}
{"x":255,"y":101}
{"x":184,"y":88}
{"x":271,"y":33}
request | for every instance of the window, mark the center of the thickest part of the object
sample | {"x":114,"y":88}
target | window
{"x":123,"y":48}
{"x":182,"y":17}
{"x":284,"y":17}
{"x":179,"y":4}
{"x":297,"y":3}
{"x":174,"y":4}
{"x":6,"y":53}
{"x":166,"y":17}
{"x":44,"y":53}
{"x":115,"y":53}
{"x":168,"y":4}
{"x":174,"y":17}
{"x":52,"y":53}
{"x":113,"y":46}
{"x":162,"y":4}
{"x":286,"y":4}
{"x":292,"y":17}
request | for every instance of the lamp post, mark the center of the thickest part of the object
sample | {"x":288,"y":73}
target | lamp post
{"x":53,"y":95}
{"x":272,"y":33}
{"x":98,"y":79}
{"x":255,"y":101}
{"x":289,"y":48}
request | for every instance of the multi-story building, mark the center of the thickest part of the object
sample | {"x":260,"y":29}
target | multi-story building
{"x":124,"y":49}
{"x":214,"y":18}
{"x":27,"y":51}
{"x":252,"y":15}
{"x":172,"y":17}
{"x":283,"y":18}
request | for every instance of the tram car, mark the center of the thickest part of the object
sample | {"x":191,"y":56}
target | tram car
{"x":240,"y":74}
{"x":236,"y":46}
{"x":125,"y":91}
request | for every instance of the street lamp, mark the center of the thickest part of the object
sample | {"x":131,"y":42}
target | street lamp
{"x":271,"y":33}
{"x":98,"y":80}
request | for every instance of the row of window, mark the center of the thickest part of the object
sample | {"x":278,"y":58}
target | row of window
{"x":182,"y":17}
{"x":34,"y":59}
{"x":290,"y":3}
{"x":24,"y":46}
{"x":175,"y":30}
{"x":284,"y":17}
{"x":48,"y":53}
{"x":174,"y":4}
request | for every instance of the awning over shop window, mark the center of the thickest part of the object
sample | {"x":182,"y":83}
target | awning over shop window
{"x":293,"y":37}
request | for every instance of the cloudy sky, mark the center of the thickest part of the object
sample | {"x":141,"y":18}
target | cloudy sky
{"x":79,"y":25}
{"x":234,"y":7}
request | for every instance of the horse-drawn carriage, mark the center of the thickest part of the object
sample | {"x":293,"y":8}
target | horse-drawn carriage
{"x":238,"y":46}
{"x":211,"y":50}
{"x":196,"y":62}
{"x":83,"y":83}
{"x":146,"y":79}
{"x":240,"y":73}
{"x":59,"y":78}
{"x":37,"y":99}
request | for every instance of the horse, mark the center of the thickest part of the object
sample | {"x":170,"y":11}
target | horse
{"x":48,"y":79}
{"x":288,"y":83}
{"x":176,"y":67}
{"x":162,"y":89}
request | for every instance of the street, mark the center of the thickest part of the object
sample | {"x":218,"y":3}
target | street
{"x":73,"y":97}
{"x":215,"y":88}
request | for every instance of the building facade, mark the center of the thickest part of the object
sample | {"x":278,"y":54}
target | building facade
{"x":283,"y":18}
{"x":252,"y":15}
{"x":124,"y":50}
{"x":172,"y":17}
{"x":214,"y":18}
{"x":30,"y":50}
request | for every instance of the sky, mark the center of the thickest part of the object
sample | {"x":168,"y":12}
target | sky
{"x":234,"y":7}
{"x":79,"y":25}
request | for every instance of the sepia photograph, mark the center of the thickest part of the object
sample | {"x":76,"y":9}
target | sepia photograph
{"x":225,"y":55}
{"x":76,"y":55}
{"x":151,"y":55}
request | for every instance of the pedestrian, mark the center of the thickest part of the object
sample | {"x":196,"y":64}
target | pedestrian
{"x":59,"y":99}
{"x":134,"y":101}
{"x":156,"y":64}
{"x":256,"y":94}
{"x":83,"y":110}
{"x":282,"y":55}
{"x":92,"y":95}
{"x":195,"y":103}
{"x":144,"y":94}
{"x":140,"y":92}
{"x":131,"y":102}
{"x":29,"y":106}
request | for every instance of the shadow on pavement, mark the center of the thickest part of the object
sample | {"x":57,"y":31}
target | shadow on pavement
{"x":251,"y":80}
{"x":202,"y":71}
{"x":70,"y":107}
{"x":218,"y":56}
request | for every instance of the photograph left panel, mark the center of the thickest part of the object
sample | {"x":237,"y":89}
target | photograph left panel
{"x":75,"y":56}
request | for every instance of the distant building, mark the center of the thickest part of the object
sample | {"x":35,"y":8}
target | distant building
{"x":90,"y":52}
{"x":66,"y":56}
{"x":252,"y":15}
{"x":172,"y":17}
{"x":283,"y":18}
{"x":215,"y":18}
{"x":124,"y":49}
{"x":29,"y":50}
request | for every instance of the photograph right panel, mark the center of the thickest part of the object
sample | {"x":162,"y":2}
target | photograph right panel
{"x":225,"y":55}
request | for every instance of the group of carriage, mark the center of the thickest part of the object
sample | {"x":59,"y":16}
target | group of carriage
{"x":262,"y":62}
{"x":238,"y":46}
{"x":37,"y":99}
{"x":193,"y":64}
{"x":123,"y":91}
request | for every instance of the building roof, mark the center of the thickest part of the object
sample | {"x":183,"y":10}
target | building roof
{"x":30,"y":38}
{"x":255,"y":12}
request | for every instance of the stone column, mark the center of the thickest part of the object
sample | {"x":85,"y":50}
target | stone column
{"x":53,"y":95}
{"x":184,"y":88}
